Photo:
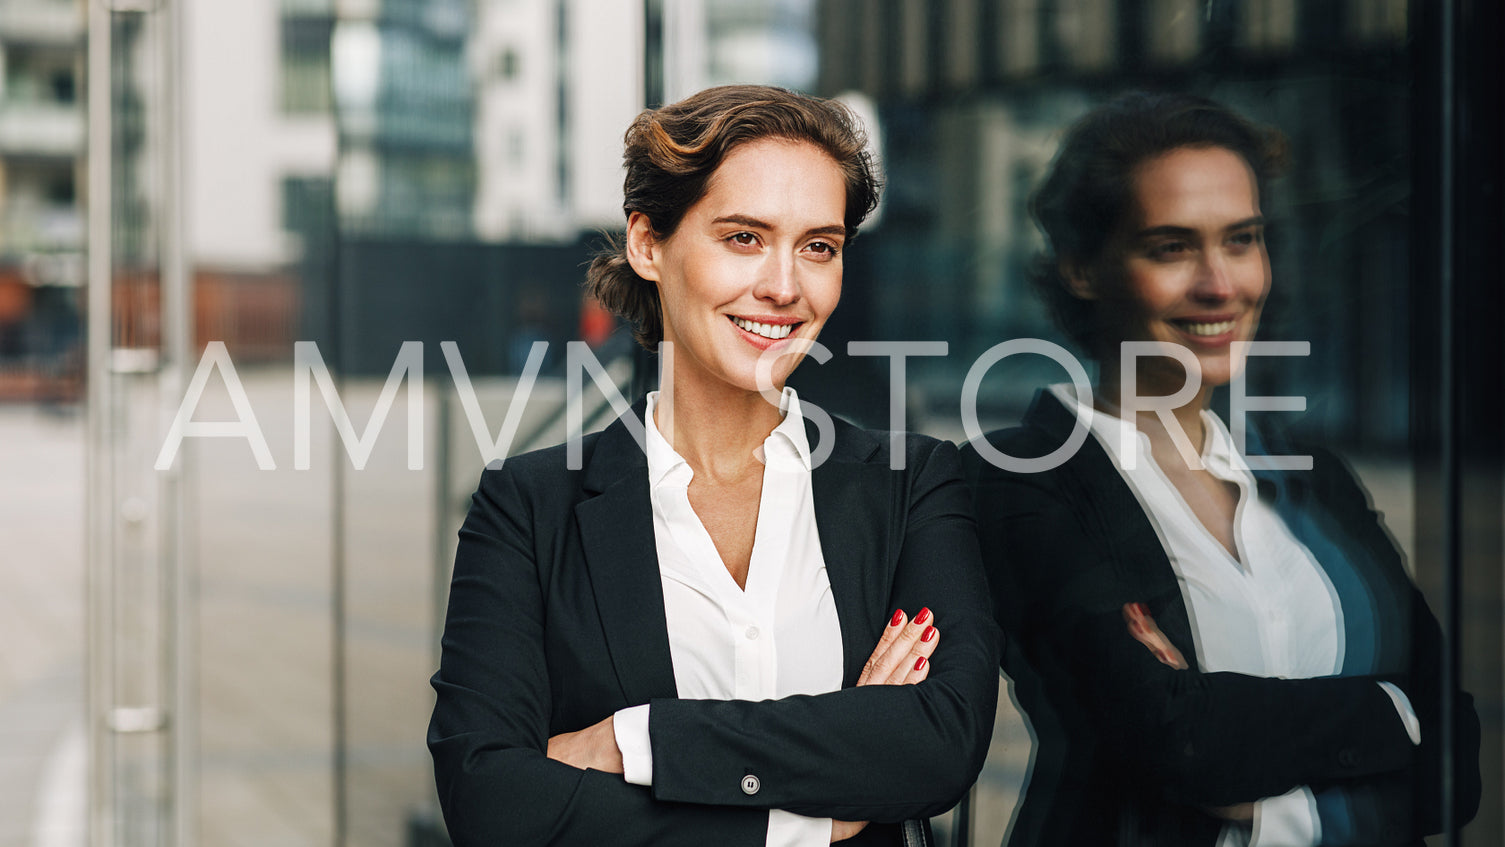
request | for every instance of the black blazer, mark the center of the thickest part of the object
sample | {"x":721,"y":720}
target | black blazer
{"x":556,"y":620}
{"x":1127,"y":749}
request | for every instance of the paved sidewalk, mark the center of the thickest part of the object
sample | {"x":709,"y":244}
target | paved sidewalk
{"x":41,"y":615}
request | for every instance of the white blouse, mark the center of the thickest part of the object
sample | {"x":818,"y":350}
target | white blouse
{"x":777,"y":638}
{"x":1268,"y":612}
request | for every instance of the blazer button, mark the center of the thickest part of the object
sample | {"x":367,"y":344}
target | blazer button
{"x":1348,"y":758}
{"x":750,"y":785}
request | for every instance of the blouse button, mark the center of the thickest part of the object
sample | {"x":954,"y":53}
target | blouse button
{"x":752,"y":633}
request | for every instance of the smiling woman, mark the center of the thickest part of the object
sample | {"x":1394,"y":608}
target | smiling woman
{"x":753,"y":266}
{"x":706,"y":634}
{"x":1188,"y":267}
{"x":1209,"y":652}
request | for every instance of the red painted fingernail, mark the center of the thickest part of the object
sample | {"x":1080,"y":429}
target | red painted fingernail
{"x":928,"y":634}
{"x":923,"y":616}
{"x":898,"y":617}
{"x":919,"y":664}
{"x":1142,"y":609}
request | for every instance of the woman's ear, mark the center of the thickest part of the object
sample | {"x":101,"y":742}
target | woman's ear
{"x":1079,"y":279}
{"x":642,"y":247}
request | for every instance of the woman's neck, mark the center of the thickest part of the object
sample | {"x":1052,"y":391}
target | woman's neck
{"x":717,"y":431}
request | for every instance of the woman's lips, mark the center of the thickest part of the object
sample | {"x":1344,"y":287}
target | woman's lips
{"x":1213,"y":330}
{"x":772,"y":331}
{"x":1206,"y":329}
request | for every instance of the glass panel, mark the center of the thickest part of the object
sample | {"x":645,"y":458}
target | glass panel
{"x":364,"y":176}
{"x":964,"y":147}
{"x":43,"y":433}
{"x":260,"y":137}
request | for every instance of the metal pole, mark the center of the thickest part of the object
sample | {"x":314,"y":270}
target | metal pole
{"x":1451,"y":423}
{"x":179,"y":598}
{"x":100,"y":691}
{"x":444,"y":512}
{"x":339,"y":692}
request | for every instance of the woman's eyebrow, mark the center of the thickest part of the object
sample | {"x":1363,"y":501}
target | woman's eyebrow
{"x":1170,"y":230}
{"x":1165,"y":231}
{"x":742,"y":220}
{"x":833,"y":230}
{"x":1246,"y":223}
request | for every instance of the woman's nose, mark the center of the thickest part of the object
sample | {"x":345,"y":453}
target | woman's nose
{"x":1214,"y":279}
{"x":779,"y":284}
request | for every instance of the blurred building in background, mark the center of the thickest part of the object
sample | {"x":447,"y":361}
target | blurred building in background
{"x":557,"y":83}
{"x":973,"y":95}
{"x":405,"y":113}
{"x":42,"y":140}
{"x":314,"y":126}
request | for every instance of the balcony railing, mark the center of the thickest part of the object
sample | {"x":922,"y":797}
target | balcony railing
{"x":41,"y":129}
{"x":42,"y":21}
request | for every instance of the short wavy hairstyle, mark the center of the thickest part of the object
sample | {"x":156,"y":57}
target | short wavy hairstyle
{"x":672,"y":152}
{"x":1090,"y":185}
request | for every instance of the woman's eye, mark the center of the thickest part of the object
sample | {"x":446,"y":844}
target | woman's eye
{"x":743,"y":239}
{"x":1168,"y":250}
{"x":824,"y":249}
{"x":1248,"y":238}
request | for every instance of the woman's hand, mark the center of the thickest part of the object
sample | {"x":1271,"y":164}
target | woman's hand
{"x":594,"y":747}
{"x":1142,"y":626}
{"x":902,"y":656}
{"x":1144,"y":630}
{"x":1241,"y":813}
{"x":842,"y":830}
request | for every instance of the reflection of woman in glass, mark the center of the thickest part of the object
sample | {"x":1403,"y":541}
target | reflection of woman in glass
{"x":672,"y":642}
{"x":1214,"y":655}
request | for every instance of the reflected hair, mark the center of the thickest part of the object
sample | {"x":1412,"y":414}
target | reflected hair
{"x":672,"y":152}
{"x":1090,"y":185}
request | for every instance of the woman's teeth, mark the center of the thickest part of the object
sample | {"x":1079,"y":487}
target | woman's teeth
{"x":1207,"y":329}
{"x":774,"y":331}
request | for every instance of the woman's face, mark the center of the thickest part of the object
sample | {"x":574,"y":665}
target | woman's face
{"x":1189,"y":265}
{"x":754,"y":265}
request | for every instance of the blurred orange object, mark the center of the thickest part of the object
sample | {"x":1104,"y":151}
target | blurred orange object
{"x":596,"y":323}
{"x":15,"y":297}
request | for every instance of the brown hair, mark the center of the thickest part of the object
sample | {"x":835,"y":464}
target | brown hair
{"x":673,"y":151}
{"x":1090,"y":185}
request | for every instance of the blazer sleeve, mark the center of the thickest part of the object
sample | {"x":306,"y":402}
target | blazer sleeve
{"x":1204,"y":739}
{"x":877,"y":753}
{"x":1399,"y":808}
{"x":490,"y":726}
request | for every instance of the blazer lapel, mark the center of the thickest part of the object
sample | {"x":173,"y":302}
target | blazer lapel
{"x":852,"y":497}
{"x":616,"y":534}
{"x":1137,"y":552}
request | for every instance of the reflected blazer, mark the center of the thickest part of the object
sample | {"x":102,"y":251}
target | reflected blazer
{"x":1127,"y":750}
{"x":556,"y":621}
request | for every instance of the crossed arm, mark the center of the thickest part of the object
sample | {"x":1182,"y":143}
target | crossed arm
{"x":878,"y":752}
{"x":901,"y":657}
{"x":1217,"y":741}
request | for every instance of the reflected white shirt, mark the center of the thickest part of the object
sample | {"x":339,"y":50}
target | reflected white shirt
{"x":1269,"y":612}
{"x":777,"y":638}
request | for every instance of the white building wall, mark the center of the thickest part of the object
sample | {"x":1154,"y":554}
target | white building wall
{"x":517,"y":129}
{"x":606,"y":93}
{"x":523,"y":140}
{"x":239,"y":146}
